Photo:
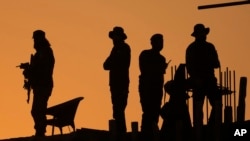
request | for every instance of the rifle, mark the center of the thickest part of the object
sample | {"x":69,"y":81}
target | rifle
{"x":28,"y":88}
{"x":26,"y":73}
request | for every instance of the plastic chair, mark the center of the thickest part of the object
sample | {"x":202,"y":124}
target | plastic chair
{"x":63,"y":114}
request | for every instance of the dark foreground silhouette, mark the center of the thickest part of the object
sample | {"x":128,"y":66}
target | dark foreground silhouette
{"x":85,"y":134}
{"x":117,"y":63}
{"x":152,"y":66}
{"x":38,"y":75}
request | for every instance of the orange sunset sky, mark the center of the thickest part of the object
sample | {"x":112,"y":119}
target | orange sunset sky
{"x":78,"y":32}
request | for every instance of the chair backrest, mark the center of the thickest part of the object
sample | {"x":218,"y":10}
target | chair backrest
{"x":65,"y":112}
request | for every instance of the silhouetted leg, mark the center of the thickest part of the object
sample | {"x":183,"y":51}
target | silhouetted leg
{"x":147,"y":119}
{"x":147,"y":126}
{"x":167,"y":130}
{"x":119,"y":101}
{"x":187,"y":124}
{"x":215,"y":119}
{"x":151,"y":105}
{"x":163,"y":131}
{"x":198,"y":115}
{"x":156,"y":115}
{"x":218,"y":120}
{"x":39,"y":107}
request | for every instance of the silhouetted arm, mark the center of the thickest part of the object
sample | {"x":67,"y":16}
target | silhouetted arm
{"x":189,"y":61}
{"x":106,"y":64}
{"x":119,"y":58}
{"x":109,"y":61}
{"x":215,"y":58}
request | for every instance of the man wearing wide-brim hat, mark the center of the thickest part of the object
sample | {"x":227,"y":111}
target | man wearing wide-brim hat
{"x":200,"y":30}
{"x":201,"y":60}
{"x":118,"y":63}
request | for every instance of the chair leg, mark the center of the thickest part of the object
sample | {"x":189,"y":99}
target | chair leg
{"x":73,"y":126}
{"x":53,"y":127}
{"x":61,"y":130}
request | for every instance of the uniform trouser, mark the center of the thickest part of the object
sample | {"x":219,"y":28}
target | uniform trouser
{"x":151,"y":106}
{"x":119,"y":102}
{"x":39,"y":107}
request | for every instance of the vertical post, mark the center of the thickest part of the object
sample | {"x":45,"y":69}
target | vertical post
{"x":225,"y":97}
{"x":221,"y":90}
{"x":134,"y":134}
{"x":230,"y":116}
{"x":112,"y":130}
{"x":172,"y":73}
{"x":234,"y":93}
{"x":241,"y":103}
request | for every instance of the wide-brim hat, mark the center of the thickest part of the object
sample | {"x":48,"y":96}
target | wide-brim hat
{"x":199,"y":29}
{"x":117,"y":31}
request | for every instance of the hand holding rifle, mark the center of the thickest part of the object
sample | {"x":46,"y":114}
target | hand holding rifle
{"x":27,"y":86}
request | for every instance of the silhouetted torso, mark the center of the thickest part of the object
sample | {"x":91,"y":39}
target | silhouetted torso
{"x":42,"y":65}
{"x":201,"y":59}
{"x":118,"y":65}
{"x":152,"y":67}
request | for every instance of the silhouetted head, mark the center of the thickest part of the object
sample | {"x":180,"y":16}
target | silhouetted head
{"x":117,"y":34}
{"x":38,"y":34}
{"x":157,"y":42}
{"x":40,"y":40}
{"x":200,"y":30}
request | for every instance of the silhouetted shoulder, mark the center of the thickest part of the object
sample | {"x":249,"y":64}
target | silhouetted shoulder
{"x":195,"y":45}
{"x":145,"y":53}
{"x":210,"y":44}
{"x":126,"y":47}
{"x":124,"y":52}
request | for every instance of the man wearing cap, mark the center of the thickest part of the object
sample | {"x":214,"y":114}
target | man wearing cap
{"x":40,"y":77}
{"x":201,"y":60}
{"x":117,"y":63}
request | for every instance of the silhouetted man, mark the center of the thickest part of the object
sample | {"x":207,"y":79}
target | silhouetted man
{"x":117,"y":64}
{"x":201,"y":60}
{"x":176,"y":119}
{"x":152,"y":66}
{"x":40,"y":78}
